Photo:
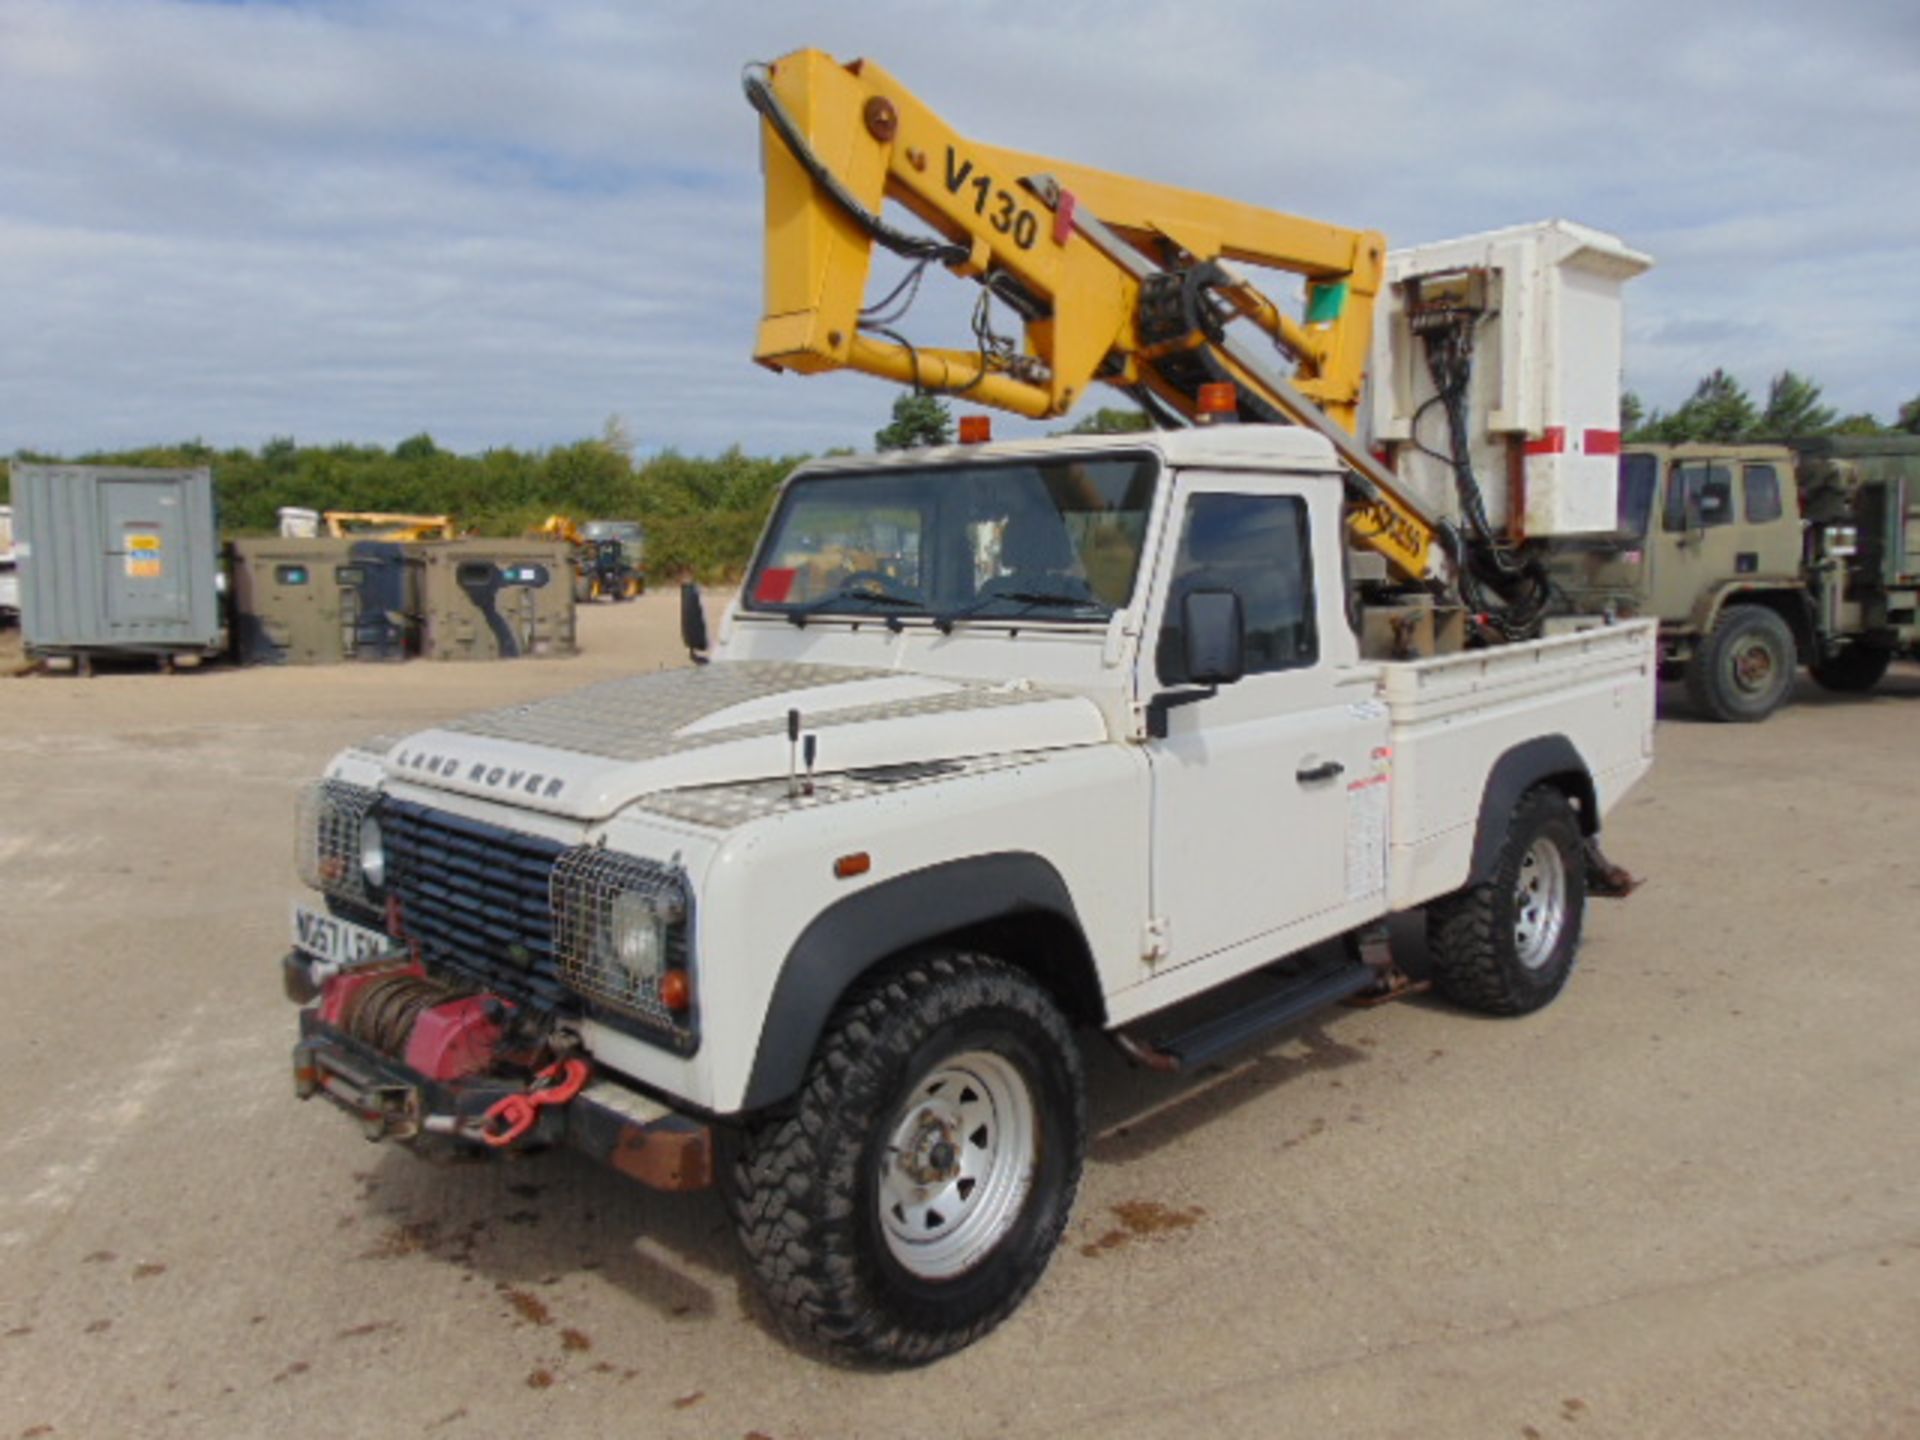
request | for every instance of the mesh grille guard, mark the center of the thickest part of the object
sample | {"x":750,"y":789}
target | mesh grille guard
{"x":587,"y":882}
{"x":327,"y":848}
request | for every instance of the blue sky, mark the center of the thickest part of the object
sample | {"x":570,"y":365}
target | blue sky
{"x":503,"y":223}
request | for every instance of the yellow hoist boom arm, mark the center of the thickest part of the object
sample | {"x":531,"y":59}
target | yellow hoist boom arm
{"x":1114,"y":279}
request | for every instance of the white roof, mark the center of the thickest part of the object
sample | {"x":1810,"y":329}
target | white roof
{"x":1282,"y":447}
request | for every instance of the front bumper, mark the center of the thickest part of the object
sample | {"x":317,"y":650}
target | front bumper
{"x":606,"y":1120}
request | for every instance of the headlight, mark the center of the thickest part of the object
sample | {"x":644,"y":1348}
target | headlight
{"x":373,"y":855}
{"x":622,"y":939}
{"x":330,"y":838}
{"x":638,"y":935}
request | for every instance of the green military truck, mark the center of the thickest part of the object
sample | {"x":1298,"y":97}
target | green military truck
{"x":1757,"y":559}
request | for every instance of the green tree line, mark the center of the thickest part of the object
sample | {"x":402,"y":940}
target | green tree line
{"x":1721,"y":410}
{"x":701,"y":513}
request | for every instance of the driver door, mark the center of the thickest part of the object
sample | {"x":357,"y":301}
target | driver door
{"x":1254,"y":789}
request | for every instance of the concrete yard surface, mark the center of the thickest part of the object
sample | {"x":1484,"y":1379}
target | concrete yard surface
{"x":1682,"y":1201}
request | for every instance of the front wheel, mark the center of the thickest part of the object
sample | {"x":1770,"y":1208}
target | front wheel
{"x":1507,"y":946}
{"x":917,"y":1192}
{"x":1743,"y":670}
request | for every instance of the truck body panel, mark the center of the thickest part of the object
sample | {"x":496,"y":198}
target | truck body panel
{"x":1182,"y":856}
{"x":1455,"y":716}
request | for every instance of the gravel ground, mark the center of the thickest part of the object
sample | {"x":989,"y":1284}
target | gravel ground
{"x":1683,"y":1201}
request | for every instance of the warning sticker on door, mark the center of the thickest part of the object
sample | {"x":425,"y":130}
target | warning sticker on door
{"x":143,"y":556}
{"x":1366,"y":837}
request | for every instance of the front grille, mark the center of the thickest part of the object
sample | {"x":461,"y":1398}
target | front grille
{"x":476,"y":897}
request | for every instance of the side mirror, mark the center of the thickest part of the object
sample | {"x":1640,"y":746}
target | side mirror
{"x":1214,"y":636}
{"x":693,"y":623}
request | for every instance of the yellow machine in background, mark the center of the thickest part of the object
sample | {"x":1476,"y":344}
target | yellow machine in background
{"x":1114,"y":280}
{"x":602,"y":568}
{"x":382,"y":525}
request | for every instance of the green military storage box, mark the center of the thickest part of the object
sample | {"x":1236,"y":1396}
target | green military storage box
{"x":323,"y":601}
{"x":494,"y":599}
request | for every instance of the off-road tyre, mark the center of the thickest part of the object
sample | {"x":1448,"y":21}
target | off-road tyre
{"x":807,"y":1189}
{"x":1478,"y":937}
{"x":1853,"y":669}
{"x":1744,"y":669}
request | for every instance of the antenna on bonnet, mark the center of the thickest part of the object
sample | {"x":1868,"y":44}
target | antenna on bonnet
{"x":793,"y":753}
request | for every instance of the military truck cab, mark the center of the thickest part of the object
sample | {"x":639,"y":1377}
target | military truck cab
{"x":1757,"y":559}
{"x":1709,"y":542}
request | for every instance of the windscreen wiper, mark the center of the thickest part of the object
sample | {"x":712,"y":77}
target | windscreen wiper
{"x":860,"y":589}
{"x":1026,"y":599}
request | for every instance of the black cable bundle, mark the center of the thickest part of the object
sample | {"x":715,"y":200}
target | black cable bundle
{"x":1509,"y":591}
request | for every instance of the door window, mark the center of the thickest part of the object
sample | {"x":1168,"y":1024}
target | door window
{"x":1760,"y":490}
{"x":1255,"y":546}
{"x":1638,"y":474}
{"x":1699,"y":496}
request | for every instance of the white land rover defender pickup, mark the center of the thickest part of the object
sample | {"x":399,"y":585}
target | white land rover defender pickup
{"x":999,"y":744}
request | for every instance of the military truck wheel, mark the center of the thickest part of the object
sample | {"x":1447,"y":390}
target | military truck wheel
{"x":1507,"y":946}
{"x":1743,"y":671}
{"x":1852,"y":669}
{"x":919,"y":1188}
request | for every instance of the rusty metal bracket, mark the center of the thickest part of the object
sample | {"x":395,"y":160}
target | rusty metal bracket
{"x":1606,"y":880}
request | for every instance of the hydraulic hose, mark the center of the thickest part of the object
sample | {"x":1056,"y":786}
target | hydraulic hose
{"x":912,"y":247}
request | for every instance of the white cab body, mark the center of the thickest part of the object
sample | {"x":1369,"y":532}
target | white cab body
{"x":1189,"y":859}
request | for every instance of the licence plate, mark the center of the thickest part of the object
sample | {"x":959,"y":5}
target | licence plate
{"x":341,"y":942}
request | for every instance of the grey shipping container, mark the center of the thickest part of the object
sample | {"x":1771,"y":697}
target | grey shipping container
{"x":114,"y":558}
{"x":495,"y":599}
{"x":323,"y":601}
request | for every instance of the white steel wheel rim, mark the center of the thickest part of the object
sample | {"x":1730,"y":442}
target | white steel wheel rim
{"x":958,"y":1165}
{"x":1539,"y":903}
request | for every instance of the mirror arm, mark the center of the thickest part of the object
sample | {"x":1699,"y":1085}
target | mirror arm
{"x":1167,"y":700}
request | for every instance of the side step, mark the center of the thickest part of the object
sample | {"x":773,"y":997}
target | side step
{"x":1297,"y":998}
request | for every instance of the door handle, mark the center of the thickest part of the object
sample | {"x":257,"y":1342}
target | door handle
{"x":1317,"y":773}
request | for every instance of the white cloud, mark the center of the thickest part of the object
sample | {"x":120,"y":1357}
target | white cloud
{"x":502,"y":222}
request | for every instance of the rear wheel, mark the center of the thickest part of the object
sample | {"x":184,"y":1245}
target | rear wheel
{"x":917,"y":1192}
{"x":1507,"y":946}
{"x":1852,"y":668}
{"x":1743,"y":671}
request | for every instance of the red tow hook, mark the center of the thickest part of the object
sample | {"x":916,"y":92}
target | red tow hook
{"x":515,"y":1114}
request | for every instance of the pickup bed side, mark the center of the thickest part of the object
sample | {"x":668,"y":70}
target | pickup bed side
{"x":1456,"y":718}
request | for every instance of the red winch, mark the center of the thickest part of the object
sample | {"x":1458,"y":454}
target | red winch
{"x":461,"y":1045}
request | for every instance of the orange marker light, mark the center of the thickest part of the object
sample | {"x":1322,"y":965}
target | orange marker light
{"x":848,"y":866}
{"x":676,"y":993}
{"x":1217,"y":401}
{"x":976,"y":429}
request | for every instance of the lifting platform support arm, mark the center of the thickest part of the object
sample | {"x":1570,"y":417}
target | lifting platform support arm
{"x":1114,"y":279}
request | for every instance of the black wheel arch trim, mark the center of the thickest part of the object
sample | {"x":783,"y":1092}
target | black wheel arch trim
{"x":861,"y":930}
{"x":1546,"y":759}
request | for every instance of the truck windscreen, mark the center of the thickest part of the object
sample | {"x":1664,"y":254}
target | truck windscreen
{"x":1038,"y":540}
